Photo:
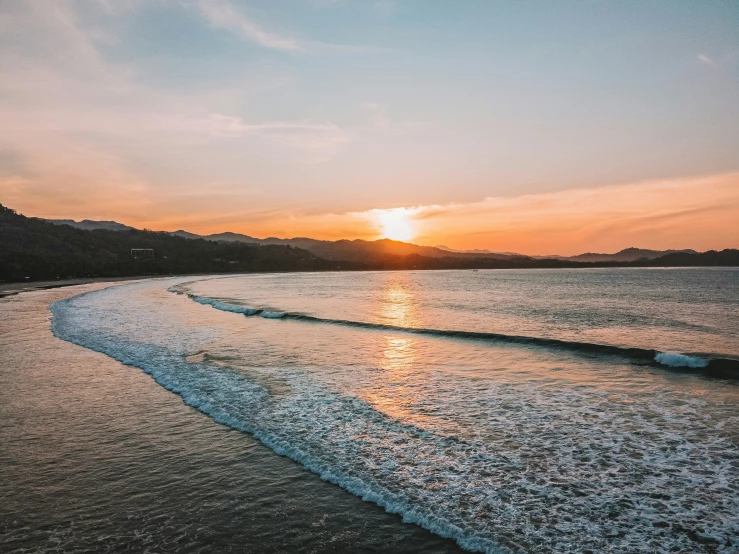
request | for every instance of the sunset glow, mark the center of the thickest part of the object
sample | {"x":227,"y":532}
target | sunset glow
{"x":395,"y":225}
{"x":466,"y":273}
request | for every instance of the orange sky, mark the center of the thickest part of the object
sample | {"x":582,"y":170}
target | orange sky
{"x":699,"y":213}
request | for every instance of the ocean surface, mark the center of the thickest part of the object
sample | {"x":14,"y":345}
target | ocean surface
{"x":498,"y":411}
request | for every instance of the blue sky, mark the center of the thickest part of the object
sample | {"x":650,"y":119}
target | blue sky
{"x":221,"y":112}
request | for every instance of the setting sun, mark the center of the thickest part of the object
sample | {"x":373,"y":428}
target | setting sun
{"x":395,"y":225}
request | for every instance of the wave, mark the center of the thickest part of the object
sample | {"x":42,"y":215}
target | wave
{"x":482,"y":490}
{"x":708,"y":365}
{"x":675,"y":359}
{"x":232,"y":399}
{"x":223,"y":306}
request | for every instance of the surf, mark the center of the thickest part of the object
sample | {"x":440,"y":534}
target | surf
{"x":706,"y":364}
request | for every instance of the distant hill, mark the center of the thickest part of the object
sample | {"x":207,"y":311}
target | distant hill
{"x":626,"y":255}
{"x":349,"y":250}
{"x":364,"y":251}
{"x":90,"y":225}
{"x":35,"y":249}
{"x":486,"y":252}
{"x":185,"y":235}
{"x":361,"y":250}
{"x":340,"y":250}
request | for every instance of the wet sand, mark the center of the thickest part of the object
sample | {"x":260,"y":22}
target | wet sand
{"x":11,"y":289}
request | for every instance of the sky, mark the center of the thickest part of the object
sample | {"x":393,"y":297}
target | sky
{"x":536,"y":127}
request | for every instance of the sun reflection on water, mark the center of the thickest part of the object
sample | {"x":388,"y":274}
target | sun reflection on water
{"x":399,"y":353}
{"x":396,"y":303}
{"x":392,"y":392}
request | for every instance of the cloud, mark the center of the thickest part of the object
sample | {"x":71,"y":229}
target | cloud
{"x":678,"y":213}
{"x":83,"y":135}
{"x":706,"y":60}
{"x":223,"y":15}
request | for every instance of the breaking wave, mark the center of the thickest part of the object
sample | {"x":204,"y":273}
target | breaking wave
{"x":713,"y":366}
{"x":675,"y":359}
{"x":527,"y":469}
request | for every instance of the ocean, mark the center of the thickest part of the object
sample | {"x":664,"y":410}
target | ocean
{"x":492,"y":411}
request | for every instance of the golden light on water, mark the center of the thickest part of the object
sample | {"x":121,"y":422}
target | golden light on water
{"x":396,"y":305}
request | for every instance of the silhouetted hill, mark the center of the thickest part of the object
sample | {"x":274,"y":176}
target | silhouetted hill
{"x":36,"y":249}
{"x":478,"y":251}
{"x":341,"y":250}
{"x":626,"y":255}
{"x":728,"y":257}
{"x":90,"y":225}
{"x":349,"y":250}
{"x":363,"y":251}
{"x":185,"y":235}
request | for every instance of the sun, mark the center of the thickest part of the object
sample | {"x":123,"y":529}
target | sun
{"x":395,"y":225}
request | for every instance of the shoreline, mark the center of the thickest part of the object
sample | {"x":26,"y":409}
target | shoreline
{"x":137,"y":462}
{"x":11,"y":289}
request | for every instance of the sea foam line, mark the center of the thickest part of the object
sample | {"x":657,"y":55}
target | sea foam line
{"x":717,"y":367}
{"x":169,"y":373}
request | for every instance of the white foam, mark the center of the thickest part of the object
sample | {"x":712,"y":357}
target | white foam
{"x":224,"y":306}
{"x":272,"y":315}
{"x":675,"y":359}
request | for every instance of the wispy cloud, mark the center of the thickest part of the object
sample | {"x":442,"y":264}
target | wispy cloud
{"x":320,"y":141}
{"x":80,"y":131}
{"x":652,"y":214}
{"x":223,"y":15}
{"x":708,"y":61}
{"x":648,"y":214}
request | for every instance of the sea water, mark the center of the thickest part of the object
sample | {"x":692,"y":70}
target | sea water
{"x":510,"y":411}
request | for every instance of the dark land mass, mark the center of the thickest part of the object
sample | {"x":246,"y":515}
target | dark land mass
{"x":627,"y":255}
{"x":360,"y":250}
{"x":34,"y":249}
{"x":90,"y":225}
{"x":348,"y":250}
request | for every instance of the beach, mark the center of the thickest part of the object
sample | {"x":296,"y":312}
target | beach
{"x":10,"y":289}
{"x":510,"y":411}
{"x":97,"y":457}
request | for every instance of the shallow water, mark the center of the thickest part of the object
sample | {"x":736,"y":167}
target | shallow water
{"x":501,"y":446}
{"x":97,"y":457}
{"x":684,"y":310}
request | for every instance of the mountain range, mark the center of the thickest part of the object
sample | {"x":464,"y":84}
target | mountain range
{"x":90,"y":225}
{"x":359,"y":250}
{"x":33,"y":249}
